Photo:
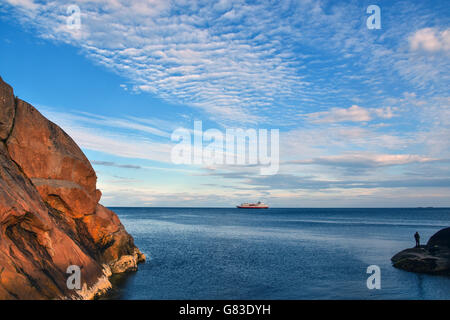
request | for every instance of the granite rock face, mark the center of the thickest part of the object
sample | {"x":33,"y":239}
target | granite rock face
{"x":7,"y":110}
{"x":440,"y":238}
{"x":50,"y":216}
{"x":433,"y":258}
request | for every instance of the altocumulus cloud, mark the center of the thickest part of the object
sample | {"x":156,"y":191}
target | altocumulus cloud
{"x":236,"y":60}
{"x":353,"y":114}
{"x":430,"y":39}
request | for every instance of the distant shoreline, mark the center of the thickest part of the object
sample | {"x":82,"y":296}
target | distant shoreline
{"x":233,"y":207}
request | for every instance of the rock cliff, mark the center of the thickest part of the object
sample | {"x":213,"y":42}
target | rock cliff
{"x":434,"y":258}
{"x":50,"y":216}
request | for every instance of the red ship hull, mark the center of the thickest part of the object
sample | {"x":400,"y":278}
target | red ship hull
{"x":252,"y":207}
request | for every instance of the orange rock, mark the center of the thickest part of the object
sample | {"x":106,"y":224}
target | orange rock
{"x":43,"y":150}
{"x":7,"y":109}
{"x":49,"y":212}
{"x":66,"y":196}
{"x":110,"y":236}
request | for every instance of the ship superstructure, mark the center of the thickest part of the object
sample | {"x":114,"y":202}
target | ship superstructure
{"x":257,"y":205}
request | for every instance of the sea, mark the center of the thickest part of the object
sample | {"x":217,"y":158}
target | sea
{"x":229,"y":253}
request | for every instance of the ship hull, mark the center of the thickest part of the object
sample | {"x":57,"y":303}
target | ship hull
{"x":250,"y":207}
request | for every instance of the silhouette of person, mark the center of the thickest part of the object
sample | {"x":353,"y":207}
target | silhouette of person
{"x":417,"y":237}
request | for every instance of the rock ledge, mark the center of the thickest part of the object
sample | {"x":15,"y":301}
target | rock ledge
{"x":433,"y":258}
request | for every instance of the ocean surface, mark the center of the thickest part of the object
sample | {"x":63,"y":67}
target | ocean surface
{"x":211,"y":253}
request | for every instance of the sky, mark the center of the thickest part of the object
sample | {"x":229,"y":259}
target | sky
{"x":363,"y":114}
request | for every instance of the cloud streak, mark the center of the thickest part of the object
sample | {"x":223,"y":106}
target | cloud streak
{"x":97,"y":133}
{"x":366,"y":160}
{"x":353,"y":114}
{"x":113,"y":164}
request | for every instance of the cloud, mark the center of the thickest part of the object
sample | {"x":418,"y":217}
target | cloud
{"x":98,"y":133}
{"x":353,"y":114}
{"x":148,"y":126}
{"x":293,"y":182}
{"x":304,"y":65}
{"x":200,"y":54}
{"x":319,"y":140}
{"x":430,"y":39}
{"x":115,"y":194}
{"x":245,"y":62}
{"x":358,"y":160}
{"x":27,"y":4}
{"x":113,"y":164}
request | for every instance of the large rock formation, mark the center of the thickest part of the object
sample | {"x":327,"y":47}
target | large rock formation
{"x":434,"y":258}
{"x":50,"y":216}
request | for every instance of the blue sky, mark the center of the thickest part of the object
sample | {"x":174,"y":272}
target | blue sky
{"x":364,"y":115}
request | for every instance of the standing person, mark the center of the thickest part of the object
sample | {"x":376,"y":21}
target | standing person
{"x":417,"y":237}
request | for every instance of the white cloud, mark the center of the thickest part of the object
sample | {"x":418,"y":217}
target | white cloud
{"x":98,"y":133}
{"x":238,"y":61}
{"x":196,"y":57}
{"x":28,"y":4}
{"x":366,"y":160}
{"x":353,"y":114}
{"x":430,"y":39}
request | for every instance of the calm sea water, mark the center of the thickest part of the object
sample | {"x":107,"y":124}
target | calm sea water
{"x":205,"y":253}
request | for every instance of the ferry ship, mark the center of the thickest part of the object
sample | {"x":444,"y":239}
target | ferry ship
{"x":258,"y":205}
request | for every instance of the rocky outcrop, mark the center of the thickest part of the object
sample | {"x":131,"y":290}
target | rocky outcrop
{"x":50,"y":216}
{"x":7,"y":110}
{"x":440,"y":239}
{"x":434,"y":258}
